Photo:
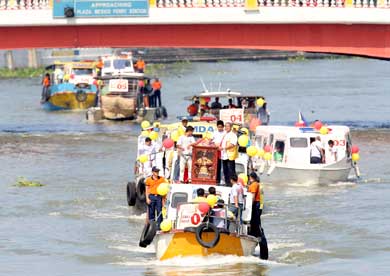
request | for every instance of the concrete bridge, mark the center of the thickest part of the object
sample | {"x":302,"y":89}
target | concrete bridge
{"x":356,"y":27}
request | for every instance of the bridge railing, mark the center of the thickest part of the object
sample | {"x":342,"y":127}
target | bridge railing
{"x":47,"y":4}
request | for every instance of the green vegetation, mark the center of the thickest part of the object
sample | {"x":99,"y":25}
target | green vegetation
{"x":161,"y":69}
{"x":23,"y":182}
{"x":22,"y":73}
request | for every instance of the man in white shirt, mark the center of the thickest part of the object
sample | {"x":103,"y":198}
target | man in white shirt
{"x":217,"y":140}
{"x":317,"y":152}
{"x":236,"y":197}
{"x":228,"y":153}
{"x":184,"y":145}
{"x":150,"y":149}
{"x":331,"y":155}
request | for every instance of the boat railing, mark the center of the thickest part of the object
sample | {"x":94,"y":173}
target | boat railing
{"x":219,"y":215}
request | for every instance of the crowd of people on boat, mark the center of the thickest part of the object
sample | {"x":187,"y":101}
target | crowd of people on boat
{"x":149,"y":94}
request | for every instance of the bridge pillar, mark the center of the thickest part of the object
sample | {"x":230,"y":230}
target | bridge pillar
{"x":9,"y":59}
{"x":32,"y":58}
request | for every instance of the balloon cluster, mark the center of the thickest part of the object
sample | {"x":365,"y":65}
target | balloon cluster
{"x":267,"y":152}
{"x":355,"y":153}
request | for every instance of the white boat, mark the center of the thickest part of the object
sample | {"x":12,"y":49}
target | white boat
{"x":294,"y":166}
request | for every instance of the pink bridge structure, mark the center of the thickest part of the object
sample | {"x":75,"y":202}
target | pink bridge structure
{"x":355,"y":27}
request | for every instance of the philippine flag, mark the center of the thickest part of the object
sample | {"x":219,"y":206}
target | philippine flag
{"x":301,"y":120}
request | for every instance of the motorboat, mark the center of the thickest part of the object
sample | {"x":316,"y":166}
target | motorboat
{"x":290,"y":154}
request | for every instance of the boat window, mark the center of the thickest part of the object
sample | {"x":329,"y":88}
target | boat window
{"x":298,"y":142}
{"x":107,"y":64}
{"x":178,"y":198}
{"x":82,"y":71}
{"x":240,"y":168}
{"x":259,"y":141}
{"x":279,"y":151}
{"x":271,"y":139}
{"x":121,"y":63}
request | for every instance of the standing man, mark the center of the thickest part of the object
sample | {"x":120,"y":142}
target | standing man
{"x":217,"y":140}
{"x":317,"y":152}
{"x":229,"y":153}
{"x":184,"y":144}
{"x":236,"y":197}
{"x":140,"y":65}
{"x":157,"y":92}
{"x":150,"y":149}
{"x":184,"y":124}
{"x":153,"y":199}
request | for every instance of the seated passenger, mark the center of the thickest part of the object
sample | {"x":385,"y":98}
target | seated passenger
{"x":278,"y":154}
{"x":216,"y":104}
{"x":200,"y":196}
{"x":219,"y":214}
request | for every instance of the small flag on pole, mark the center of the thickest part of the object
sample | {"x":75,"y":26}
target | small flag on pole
{"x":301,"y":120}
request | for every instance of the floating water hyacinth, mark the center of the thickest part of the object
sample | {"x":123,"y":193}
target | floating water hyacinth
{"x":23,"y":182}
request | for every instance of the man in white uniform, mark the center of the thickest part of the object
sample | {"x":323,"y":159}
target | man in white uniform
{"x":229,"y":153}
{"x":217,"y":140}
{"x":184,"y":145}
{"x":317,"y":152}
{"x":150,"y":149}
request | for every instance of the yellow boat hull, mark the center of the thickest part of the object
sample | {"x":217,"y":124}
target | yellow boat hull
{"x":69,"y":100}
{"x":170,"y":245}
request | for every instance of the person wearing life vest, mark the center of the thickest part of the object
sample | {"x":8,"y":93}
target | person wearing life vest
{"x":99,"y":67}
{"x":140,"y":65}
{"x":45,"y":87}
{"x":157,"y":92}
{"x":153,"y":199}
{"x":229,"y":153}
{"x":257,"y":205}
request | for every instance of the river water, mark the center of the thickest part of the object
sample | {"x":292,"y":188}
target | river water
{"x":79,"y":223}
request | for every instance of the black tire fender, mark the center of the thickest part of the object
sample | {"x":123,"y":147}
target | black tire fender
{"x":163,"y":112}
{"x":202,"y":228}
{"x":148,"y":233}
{"x":263,"y":246}
{"x":81,"y":96}
{"x":140,"y":190}
{"x":157,"y":113}
{"x":131,"y":193}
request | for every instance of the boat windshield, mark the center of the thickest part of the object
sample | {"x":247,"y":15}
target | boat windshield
{"x":121,"y":63}
{"x":82,"y":71}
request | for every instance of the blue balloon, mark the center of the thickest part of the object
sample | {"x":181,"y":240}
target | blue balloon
{"x":156,"y":129}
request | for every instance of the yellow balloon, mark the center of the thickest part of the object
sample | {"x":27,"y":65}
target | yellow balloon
{"x":251,"y":151}
{"x":145,"y":133}
{"x":145,"y":124}
{"x":166,"y":225}
{"x":243,"y":140}
{"x":260,"y":153}
{"x":244,"y":130}
{"x":212,"y":200}
{"x":260,"y":102}
{"x":207,"y":135}
{"x":244,"y":178}
{"x":202,"y":100}
{"x":324,"y":130}
{"x":267,"y":156}
{"x":153,"y":135}
{"x":175,"y":135}
{"x":66,"y":77}
{"x":143,"y":158}
{"x":355,"y":157}
{"x":163,"y":189}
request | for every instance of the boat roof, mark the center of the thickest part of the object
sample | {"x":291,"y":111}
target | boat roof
{"x":222,"y":94}
{"x":300,"y":131}
{"x":137,"y":76}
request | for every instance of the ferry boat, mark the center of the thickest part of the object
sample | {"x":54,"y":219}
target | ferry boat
{"x":121,"y":91}
{"x":72,"y":86}
{"x":202,"y":228}
{"x":290,"y":159}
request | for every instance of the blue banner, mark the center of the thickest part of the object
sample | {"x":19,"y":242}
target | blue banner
{"x":102,"y":8}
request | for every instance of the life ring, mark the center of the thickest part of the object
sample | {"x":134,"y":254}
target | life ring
{"x":148,"y":233}
{"x":140,"y":190}
{"x":131,"y":193}
{"x":202,"y":228}
{"x":263,"y":246}
{"x":81,"y":96}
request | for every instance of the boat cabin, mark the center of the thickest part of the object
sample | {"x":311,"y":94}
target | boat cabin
{"x":119,"y":65}
{"x":291,"y":145}
{"x":227,"y":106}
